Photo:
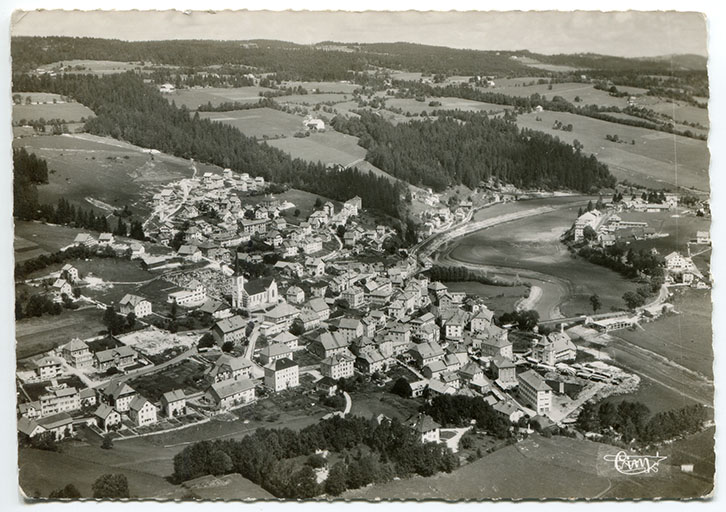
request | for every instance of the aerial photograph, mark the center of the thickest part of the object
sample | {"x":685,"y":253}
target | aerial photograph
{"x":361,"y":255}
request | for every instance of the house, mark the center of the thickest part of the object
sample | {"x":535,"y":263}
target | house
{"x":60,"y":288}
{"x":315,"y":267}
{"x":59,"y":398}
{"x":424,"y":426}
{"x":311,"y":245}
{"x":84,"y":239}
{"x":504,"y":372}
{"x":307,"y":321}
{"x":228,"y":394}
{"x":118,"y":395}
{"x":137,"y":251}
{"x":77,"y":354}
{"x":119,"y":357}
{"x":228,"y":367}
{"x":354,"y":296}
{"x":556,"y":347}
{"x":286,"y":338}
{"x":399,"y":332}
{"x":534,"y":391}
{"x":106,"y":417}
{"x":434,"y":369}
{"x":370,"y":360}
{"x":282,"y":316}
{"x":329,"y":344}
{"x":216,"y":308}
{"x":142,"y":412}
{"x":174,"y":403}
{"x":105,"y":239}
{"x":473,"y":375}
{"x":47,"y":368}
{"x":508,"y":411}
{"x":319,"y":308}
{"x":675,"y":262}
{"x":193,"y":293}
{"x":254,"y":294}
{"x":437,"y":289}
{"x":493,"y":342}
{"x":454,"y":325}
{"x":327,"y":385}
{"x":350,"y":328}
{"x":275,"y":352}
{"x":231,"y":329}
{"x":61,"y":425}
{"x":318,"y":289}
{"x":483,"y":319}
{"x":350,"y":238}
{"x":295,"y":295}
{"x":139,"y":306}
{"x":337,"y":366}
{"x":282,"y":374}
{"x":703,"y":237}
{"x":70,"y":273}
{"x":426,"y":353}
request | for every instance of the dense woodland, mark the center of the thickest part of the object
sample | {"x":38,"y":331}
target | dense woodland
{"x":467,"y":148}
{"x":371,"y":452}
{"x":127,"y":109}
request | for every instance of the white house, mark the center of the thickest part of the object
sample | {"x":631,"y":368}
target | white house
{"x":139,"y":306}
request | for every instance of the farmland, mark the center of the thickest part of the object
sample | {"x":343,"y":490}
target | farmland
{"x":533,"y":469}
{"x":259,"y":122}
{"x":679,"y":111}
{"x":195,"y":97}
{"x":104,"y":169}
{"x":329,"y":147}
{"x":569,"y":91}
{"x":38,"y":335}
{"x":657,"y":159}
{"x":412,"y":106}
{"x":34,"y":238}
{"x":95,"y":67}
{"x":324,"y":87}
{"x":48,"y":106}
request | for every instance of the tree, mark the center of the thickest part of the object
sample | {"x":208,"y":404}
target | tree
{"x":528,"y":320}
{"x":69,"y":492}
{"x":336,"y":482}
{"x":633,"y":300}
{"x":227,"y":346}
{"x":131,"y":319}
{"x":402,"y":388}
{"x":589,"y":233}
{"x":296,"y":213}
{"x":107,"y":443}
{"x":595,"y":302}
{"x":207,"y":340}
{"x":111,"y":485}
{"x":318,"y":202}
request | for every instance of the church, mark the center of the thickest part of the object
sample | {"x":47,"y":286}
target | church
{"x":254,"y":294}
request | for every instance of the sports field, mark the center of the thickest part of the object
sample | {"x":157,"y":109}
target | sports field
{"x":657,"y":159}
{"x":259,"y":122}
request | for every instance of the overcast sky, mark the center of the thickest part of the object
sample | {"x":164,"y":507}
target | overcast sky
{"x":629,"y":34}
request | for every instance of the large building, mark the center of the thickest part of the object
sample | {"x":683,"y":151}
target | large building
{"x":254,"y":294}
{"x":556,"y":347}
{"x":338,"y":366}
{"x":282,"y":374}
{"x":535,"y":392}
{"x":228,"y":394}
{"x":77,"y":354}
{"x":139,"y":306}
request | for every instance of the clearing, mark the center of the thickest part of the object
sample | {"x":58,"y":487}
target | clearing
{"x":259,"y":122}
{"x":195,"y":97}
{"x":40,"y":334}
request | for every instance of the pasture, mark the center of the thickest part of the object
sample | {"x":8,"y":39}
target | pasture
{"x":35,"y":238}
{"x":500,"y":299}
{"x":195,"y":97}
{"x":329,"y":147}
{"x":41,"y":334}
{"x":84,"y":167}
{"x":313,"y":99}
{"x":69,"y":112}
{"x":325,"y":87}
{"x":568,"y":90}
{"x":656,"y":160}
{"x":96,"y":67}
{"x":412,"y":106}
{"x":259,"y":122}
{"x":677,"y":110}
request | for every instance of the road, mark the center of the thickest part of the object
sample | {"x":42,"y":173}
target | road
{"x":250,"y":350}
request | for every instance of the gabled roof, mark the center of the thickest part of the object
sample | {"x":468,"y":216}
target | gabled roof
{"x":284,"y":337}
{"x":281,"y":364}
{"x":231,"y":324}
{"x":533,"y":380}
{"x":138,"y":403}
{"x":275,"y":349}
{"x":332,"y":341}
{"x":104,"y":411}
{"x":174,"y":396}
{"x":134,"y":300}
{"x":336,"y":359}
{"x":427,"y":350}
{"x":231,"y":387}
{"x":74,"y":345}
{"x":348,"y":323}
{"x":117,"y":389}
{"x":108,"y":355}
{"x":503,"y":362}
{"x":422,"y":423}
{"x":212,"y":306}
{"x":282,"y":310}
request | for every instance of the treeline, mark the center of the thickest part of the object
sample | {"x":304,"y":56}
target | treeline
{"x":458,"y":411}
{"x":632,"y":421}
{"x":29,"y":171}
{"x":459,"y":273}
{"x":628,"y":262}
{"x":448,"y":152}
{"x":373,"y":452}
{"x":228,"y":106}
{"x":127,"y":109}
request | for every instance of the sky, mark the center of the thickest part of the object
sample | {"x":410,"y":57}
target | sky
{"x":629,"y":34}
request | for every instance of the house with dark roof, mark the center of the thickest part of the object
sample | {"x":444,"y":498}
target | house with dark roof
{"x":61,"y":425}
{"x":229,"y":329}
{"x":118,"y":395}
{"x":282,"y":374}
{"x":329,"y":344}
{"x":77,"y":354}
{"x":228,"y":367}
{"x":274,"y":352}
{"x":119,"y":357}
{"x":107,"y":417}
{"x":424,"y":426}
{"x":338,"y":366}
{"x":139,"y":306}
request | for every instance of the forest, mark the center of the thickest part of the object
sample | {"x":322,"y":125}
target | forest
{"x":446,"y":151}
{"x":371,"y":452}
{"x":129,"y":110}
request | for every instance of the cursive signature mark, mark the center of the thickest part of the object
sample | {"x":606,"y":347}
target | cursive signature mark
{"x":635,"y":464}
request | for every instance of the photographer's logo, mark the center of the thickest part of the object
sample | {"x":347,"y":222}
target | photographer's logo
{"x":635,"y":464}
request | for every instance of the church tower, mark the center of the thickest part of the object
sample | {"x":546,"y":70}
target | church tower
{"x":238,"y":291}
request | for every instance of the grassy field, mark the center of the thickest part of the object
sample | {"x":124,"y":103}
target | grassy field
{"x":500,"y":299}
{"x":657,"y":159}
{"x":66,"y":111}
{"x":37,"y":335}
{"x":370,"y":405}
{"x":529,"y":249}
{"x":325,"y":87}
{"x":313,"y":99}
{"x":569,"y":91}
{"x":178,"y":376}
{"x":416,"y":107}
{"x":35,"y":238}
{"x":676,"y":110}
{"x":259,"y":122}
{"x":329,"y":147}
{"x":96,"y":67}
{"x":194,"y":98}
{"x":534,"y":469}
{"x":114,"y":172}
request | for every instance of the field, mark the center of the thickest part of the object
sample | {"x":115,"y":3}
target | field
{"x":194,"y":98}
{"x":65,"y":111}
{"x":416,"y":107}
{"x":313,"y":99}
{"x":101,"y":168}
{"x":530,"y":250}
{"x":657,"y":159}
{"x":500,"y":299}
{"x":678,"y":111}
{"x":325,"y":87}
{"x":178,"y":376}
{"x":587,"y":92}
{"x":41,"y":334}
{"x":34,"y":238}
{"x":534,"y":469}
{"x":329,"y":147}
{"x":259,"y":122}
{"x":96,"y":67}
{"x":370,"y":405}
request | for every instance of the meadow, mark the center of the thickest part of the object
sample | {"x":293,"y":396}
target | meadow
{"x":35,"y":238}
{"x":656,"y":160}
{"x":195,"y":97}
{"x":417,"y":107}
{"x":96,"y":67}
{"x":329,"y":147}
{"x":568,"y":90}
{"x":679,"y":111}
{"x":69,"y":112}
{"x":259,"y":122}
{"x":41,"y":334}
{"x":500,"y":299}
{"x":324,"y":87}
